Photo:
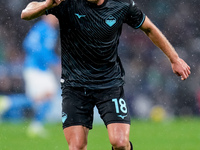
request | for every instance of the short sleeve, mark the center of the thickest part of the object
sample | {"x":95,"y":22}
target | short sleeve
{"x":135,"y":17}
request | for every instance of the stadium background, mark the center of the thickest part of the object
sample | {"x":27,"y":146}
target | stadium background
{"x":150,"y":81}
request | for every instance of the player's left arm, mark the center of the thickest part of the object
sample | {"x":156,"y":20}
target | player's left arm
{"x":179,"y":66}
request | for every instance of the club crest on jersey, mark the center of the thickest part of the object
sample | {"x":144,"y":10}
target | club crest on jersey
{"x":110,"y":20}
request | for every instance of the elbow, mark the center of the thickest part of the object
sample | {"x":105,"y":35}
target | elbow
{"x":24,"y":16}
{"x":147,"y":31}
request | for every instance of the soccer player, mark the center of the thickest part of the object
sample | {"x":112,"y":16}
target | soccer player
{"x":40,"y":60}
{"x":92,"y":73}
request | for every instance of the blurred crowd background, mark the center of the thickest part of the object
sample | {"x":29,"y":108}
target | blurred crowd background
{"x":150,"y":82}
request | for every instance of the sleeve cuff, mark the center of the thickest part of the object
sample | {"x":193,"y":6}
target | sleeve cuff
{"x":144,"y":16}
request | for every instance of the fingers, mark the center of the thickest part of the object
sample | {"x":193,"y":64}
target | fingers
{"x":186,"y":73}
{"x":188,"y":70}
{"x":181,"y":68}
{"x":184,"y":76}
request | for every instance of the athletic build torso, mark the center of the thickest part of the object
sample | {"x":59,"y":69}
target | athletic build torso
{"x":89,"y":39}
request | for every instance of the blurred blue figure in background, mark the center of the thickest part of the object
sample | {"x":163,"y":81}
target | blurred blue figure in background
{"x":39,"y":70}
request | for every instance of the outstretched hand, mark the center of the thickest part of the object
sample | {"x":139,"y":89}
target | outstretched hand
{"x":181,"y":68}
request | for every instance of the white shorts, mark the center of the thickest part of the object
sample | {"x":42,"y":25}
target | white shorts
{"x":39,"y":83}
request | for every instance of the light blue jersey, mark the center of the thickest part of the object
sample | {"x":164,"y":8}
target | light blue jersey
{"x":39,"y":46}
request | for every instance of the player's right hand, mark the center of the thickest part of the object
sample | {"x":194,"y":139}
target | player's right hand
{"x":53,"y":3}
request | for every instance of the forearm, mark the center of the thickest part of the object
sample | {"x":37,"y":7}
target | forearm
{"x":33,"y":10}
{"x":179,"y":66}
{"x":161,"y":41}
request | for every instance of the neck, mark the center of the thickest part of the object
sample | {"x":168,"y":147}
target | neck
{"x":98,"y":2}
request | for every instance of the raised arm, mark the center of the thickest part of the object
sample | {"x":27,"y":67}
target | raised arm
{"x":179,"y":66}
{"x":36,"y":9}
